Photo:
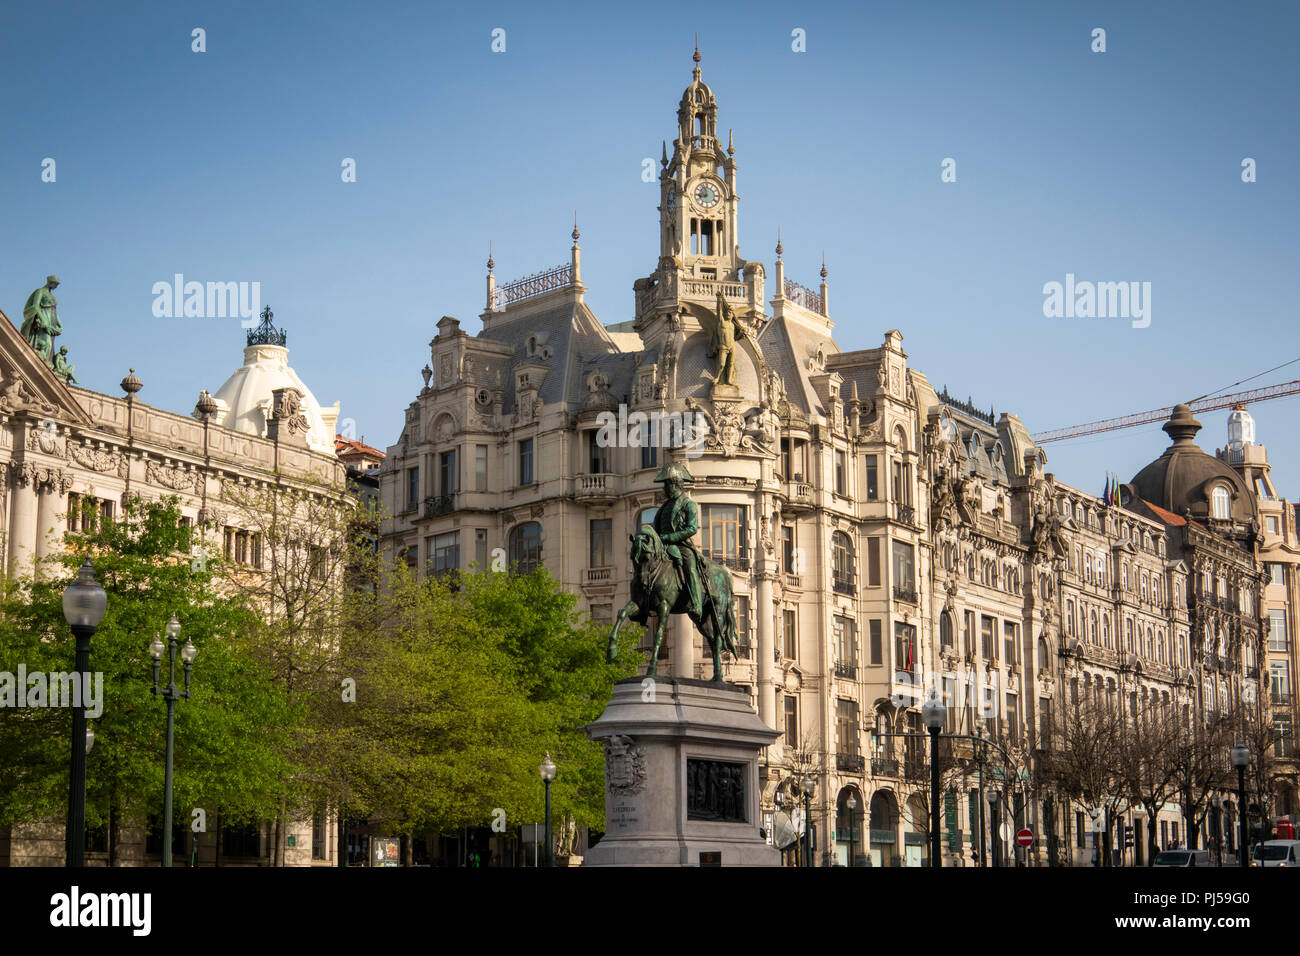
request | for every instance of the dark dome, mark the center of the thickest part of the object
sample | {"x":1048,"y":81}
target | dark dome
{"x":1183,"y":479}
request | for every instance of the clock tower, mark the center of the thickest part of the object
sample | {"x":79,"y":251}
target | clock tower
{"x":699,"y":248}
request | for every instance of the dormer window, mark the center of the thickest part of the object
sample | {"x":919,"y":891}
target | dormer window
{"x":1219,"y":502}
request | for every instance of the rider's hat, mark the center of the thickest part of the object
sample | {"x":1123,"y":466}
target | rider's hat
{"x":677,"y":470}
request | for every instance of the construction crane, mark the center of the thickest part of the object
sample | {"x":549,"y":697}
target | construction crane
{"x":1161,"y":414}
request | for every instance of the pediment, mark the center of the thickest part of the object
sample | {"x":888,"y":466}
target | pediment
{"x":26,"y":383}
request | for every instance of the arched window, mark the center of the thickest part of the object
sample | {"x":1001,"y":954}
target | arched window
{"x":1124,"y":575}
{"x":1151,"y":644}
{"x":1044,"y":654}
{"x":1128,"y":635}
{"x":1105,"y":630}
{"x":842,"y":562}
{"x":1219,"y":500}
{"x":1094,"y":627}
{"x":526,"y":547}
{"x":1069,"y":618}
{"x":945,"y":631}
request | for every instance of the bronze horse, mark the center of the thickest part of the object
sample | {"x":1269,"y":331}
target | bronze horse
{"x":658,"y":588}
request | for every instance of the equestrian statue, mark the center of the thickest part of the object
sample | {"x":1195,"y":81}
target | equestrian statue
{"x":670,"y":576}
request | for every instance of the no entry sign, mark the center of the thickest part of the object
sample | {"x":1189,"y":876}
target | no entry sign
{"x":1025,"y":837}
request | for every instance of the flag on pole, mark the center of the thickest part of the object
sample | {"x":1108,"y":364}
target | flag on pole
{"x":1105,"y":495}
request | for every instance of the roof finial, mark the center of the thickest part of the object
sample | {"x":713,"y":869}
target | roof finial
{"x":824,"y":273}
{"x":490,"y":264}
{"x":731,"y":142}
{"x":575,"y":225}
{"x":696,"y":57}
{"x":663,"y":159}
{"x":779,"y":250}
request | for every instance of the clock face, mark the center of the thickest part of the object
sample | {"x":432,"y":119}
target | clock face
{"x":706,"y":194}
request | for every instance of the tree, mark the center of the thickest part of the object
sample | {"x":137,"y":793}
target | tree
{"x":1148,"y":766}
{"x":1085,"y":764}
{"x":463,"y":684}
{"x":1200,"y":762}
{"x":229,"y":739}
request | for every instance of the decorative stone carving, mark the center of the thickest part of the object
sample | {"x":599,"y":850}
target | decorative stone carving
{"x":624,"y":766}
{"x":177,"y":479}
{"x":97,"y":459}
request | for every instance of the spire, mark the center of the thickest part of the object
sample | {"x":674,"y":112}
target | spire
{"x":696,"y":57}
{"x":824,"y":272}
{"x":780,"y":267}
{"x":491,"y":281}
{"x":575,"y":254}
{"x":663,"y":157}
{"x":490,"y":263}
{"x":575,"y":227}
{"x":731,"y":142}
{"x":266,"y":333}
{"x":779,"y":250}
{"x":825,"y":295}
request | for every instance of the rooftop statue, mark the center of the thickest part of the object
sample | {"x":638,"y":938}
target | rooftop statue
{"x":41,"y":320}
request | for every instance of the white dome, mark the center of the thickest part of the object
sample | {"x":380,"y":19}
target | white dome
{"x":246,"y":398}
{"x":1241,"y":428}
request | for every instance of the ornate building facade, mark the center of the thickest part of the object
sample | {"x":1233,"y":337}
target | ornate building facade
{"x":883,"y":536}
{"x":63,"y":446}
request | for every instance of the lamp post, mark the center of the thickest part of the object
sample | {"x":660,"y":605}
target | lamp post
{"x":995,"y":848}
{"x":932,"y":712}
{"x":547,"y":770}
{"x":852,"y":804}
{"x":807,"y":785}
{"x":170,"y":694}
{"x":84,"y":603}
{"x":1241,"y":760}
{"x":981,"y":755}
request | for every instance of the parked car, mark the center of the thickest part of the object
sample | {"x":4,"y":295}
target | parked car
{"x":1182,"y":858}
{"x":1276,"y":853}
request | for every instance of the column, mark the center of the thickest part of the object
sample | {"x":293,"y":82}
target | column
{"x":766,"y":612}
{"x":51,"y":508}
{"x":22,"y":525}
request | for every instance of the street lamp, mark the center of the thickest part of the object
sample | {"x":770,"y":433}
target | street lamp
{"x":807,"y":785}
{"x":995,"y":847}
{"x":170,"y":694}
{"x":84,"y":603}
{"x":932,"y":712}
{"x":1241,"y":760}
{"x":547,"y":770}
{"x":981,"y":757}
{"x":852,"y":804}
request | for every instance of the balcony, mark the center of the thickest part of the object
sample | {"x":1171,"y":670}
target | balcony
{"x":799,"y":496}
{"x":845,"y":586}
{"x":441,"y":505}
{"x":849,"y":671}
{"x":595,"y":487}
{"x":745,"y":651}
{"x":598,"y":576}
{"x":905,"y":594}
{"x":792,"y":581}
{"x":1282,"y":700}
{"x":906,"y":514}
{"x":884,"y":767}
{"x":850,"y":763}
{"x":738,"y":561}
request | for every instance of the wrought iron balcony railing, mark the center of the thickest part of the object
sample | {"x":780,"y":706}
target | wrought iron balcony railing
{"x":850,"y":763}
{"x":440,"y":505}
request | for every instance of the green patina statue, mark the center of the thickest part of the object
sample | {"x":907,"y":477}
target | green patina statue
{"x":722,"y":342}
{"x":671,"y":577}
{"x":41,"y":320}
{"x":61,"y":367}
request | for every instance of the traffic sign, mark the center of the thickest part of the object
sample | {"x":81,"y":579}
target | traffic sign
{"x":1025,"y":837}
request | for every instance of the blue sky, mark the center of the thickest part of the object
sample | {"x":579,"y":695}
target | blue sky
{"x":1115,"y":166}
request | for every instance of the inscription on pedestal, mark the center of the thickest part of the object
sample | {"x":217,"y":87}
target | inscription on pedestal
{"x":715,"y":790}
{"x":623,"y":815}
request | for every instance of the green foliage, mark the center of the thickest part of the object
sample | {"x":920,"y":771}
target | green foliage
{"x":229,"y":738}
{"x":463,"y":686}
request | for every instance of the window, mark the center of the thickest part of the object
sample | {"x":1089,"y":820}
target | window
{"x":526,"y":462}
{"x":241,"y":841}
{"x":846,"y":726}
{"x":841,"y":478}
{"x":1219,"y":501}
{"x":318,"y":563}
{"x":945,"y":631}
{"x":986,"y":638}
{"x":794,"y":459}
{"x":602,"y":542}
{"x":480,"y":548}
{"x":412,"y":486}
{"x":842,"y":562}
{"x":905,"y":658}
{"x":791,"y":635}
{"x":787,"y":548}
{"x":902,"y":482}
{"x":1010,"y":639}
{"x":1283,"y":745}
{"x":873,"y":562}
{"x":526,"y":547}
{"x":649,"y":451}
{"x":723,"y":534}
{"x":846,"y":643}
{"x":1045,"y":723}
{"x":597,"y":454}
{"x":1013,"y":718}
{"x":480,"y":467}
{"x":1069,"y":618}
{"x":970,"y":635}
{"x":647,"y":516}
{"x":74,"y":512}
{"x":447,"y":473}
{"x":1277,"y":631}
{"x":1128,"y":635}
{"x":904,"y":566}
{"x":1280,"y":682}
{"x":873,"y":486}
{"x":1271,"y":524}
{"x":742,"y":624}
{"x":791,"y":721}
{"x":876,"y":641}
{"x":1276,"y":572}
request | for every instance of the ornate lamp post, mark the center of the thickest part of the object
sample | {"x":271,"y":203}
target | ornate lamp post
{"x":807,"y":785}
{"x":933,"y":712}
{"x":852,"y":804}
{"x":170,"y":694}
{"x":1241,"y":760}
{"x":548,"y":771}
{"x":84,"y":603}
{"x":995,"y":847}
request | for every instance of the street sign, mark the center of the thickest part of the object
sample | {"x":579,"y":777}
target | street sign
{"x":1025,"y":837}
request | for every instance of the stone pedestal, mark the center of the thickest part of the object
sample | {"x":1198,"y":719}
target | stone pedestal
{"x":681,"y":776}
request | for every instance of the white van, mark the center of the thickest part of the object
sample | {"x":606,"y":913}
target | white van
{"x":1276,"y":853}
